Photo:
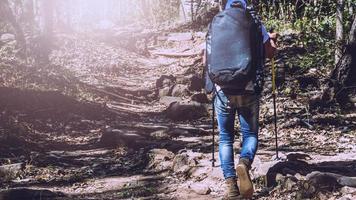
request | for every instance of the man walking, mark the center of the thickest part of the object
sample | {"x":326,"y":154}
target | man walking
{"x":241,"y":101}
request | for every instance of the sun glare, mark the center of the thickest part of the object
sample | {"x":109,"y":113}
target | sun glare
{"x":98,"y":14}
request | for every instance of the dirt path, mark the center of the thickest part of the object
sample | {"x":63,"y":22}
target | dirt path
{"x":121,"y":145}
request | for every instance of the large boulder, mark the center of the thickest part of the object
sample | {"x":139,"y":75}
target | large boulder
{"x":186,"y":110}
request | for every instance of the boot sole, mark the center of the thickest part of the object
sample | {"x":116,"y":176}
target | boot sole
{"x":246,"y":187}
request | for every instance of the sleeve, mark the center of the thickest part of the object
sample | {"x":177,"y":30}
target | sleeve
{"x":265,"y":34}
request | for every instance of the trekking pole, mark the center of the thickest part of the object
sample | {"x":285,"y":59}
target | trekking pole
{"x":274,"y":104}
{"x":213,"y":150}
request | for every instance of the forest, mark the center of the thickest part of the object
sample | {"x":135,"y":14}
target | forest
{"x":105,"y":99}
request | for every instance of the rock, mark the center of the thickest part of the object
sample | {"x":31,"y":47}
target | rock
{"x":158,"y":156}
{"x":160,"y":159}
{"x":324,"y":180}
{"x":180,"y":90}
{"x":11,"y":171}
{"x":186,"y":111}
{"x":166,"y":91}
{"x":161,"y":135}
{"x":180,"y":161}
{"x":299,"y":177}
{"x":7,"y":37}
{"x":165,"y":81}
{"x":162,"y":154}
{"x":347,"y":181}
{"x":167,"y":100}
{"x":200,"y":188}
{"x":290,"y":182}
{"x":321,"y":195}
{"x":280,"y":178}
{"x":347,"y":197}
{"x":200,"y":98}
{"x":348,"y":190}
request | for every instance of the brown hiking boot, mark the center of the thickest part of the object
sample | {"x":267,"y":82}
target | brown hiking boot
{"x":242,"y":171}
{"x":232,"y":191}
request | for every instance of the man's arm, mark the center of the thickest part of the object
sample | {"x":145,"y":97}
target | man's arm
{"x":269,"y":39}
{"x":271,"y":46}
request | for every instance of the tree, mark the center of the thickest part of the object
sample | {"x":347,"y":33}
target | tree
{"x":339,"y":29}
{"x":47,"y":11}
{"x":28,"y":13}
{"x":342,"y":81}
{"x":344,"y":74}
{"x":8,"y":16}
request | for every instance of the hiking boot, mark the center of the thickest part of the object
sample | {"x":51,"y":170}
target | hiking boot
{"x":242,"y":171}
{"x":232,"y":191}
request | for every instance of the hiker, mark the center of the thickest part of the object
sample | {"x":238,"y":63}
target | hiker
{"x":237,"y":94}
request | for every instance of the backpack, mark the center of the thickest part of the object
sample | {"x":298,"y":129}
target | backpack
{"x":235,"y":52}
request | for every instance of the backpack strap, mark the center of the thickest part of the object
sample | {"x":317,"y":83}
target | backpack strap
{"x":259,"y":51}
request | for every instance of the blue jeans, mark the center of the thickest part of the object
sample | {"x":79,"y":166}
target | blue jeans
{"x":247,"y":108}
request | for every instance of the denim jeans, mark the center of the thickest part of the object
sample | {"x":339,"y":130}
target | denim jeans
{"x":247,"y":109}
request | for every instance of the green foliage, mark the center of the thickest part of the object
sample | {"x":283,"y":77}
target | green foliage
{"x":315,"y":21}
{"x":318,"y":38}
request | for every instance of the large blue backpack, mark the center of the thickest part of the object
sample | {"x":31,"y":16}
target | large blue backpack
{"x":235,"y":52}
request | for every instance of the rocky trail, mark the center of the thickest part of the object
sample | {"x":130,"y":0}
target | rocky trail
{"x":132,"y":122}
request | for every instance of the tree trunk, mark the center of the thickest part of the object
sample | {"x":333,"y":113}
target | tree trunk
{"x":351,"y":7}
{"x":352,"y":34}
{"x":43,"y":42}
{"x":345,"y":71}
{"x":29,"y":14}
{"x":342,"y":81}
{"x":7,"y":14}
{"x":339,"y":29}
{"x":183,"y":13}
{"x":48,"y":11}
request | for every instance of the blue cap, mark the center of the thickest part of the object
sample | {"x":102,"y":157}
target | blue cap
{"x":229,"y":2}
